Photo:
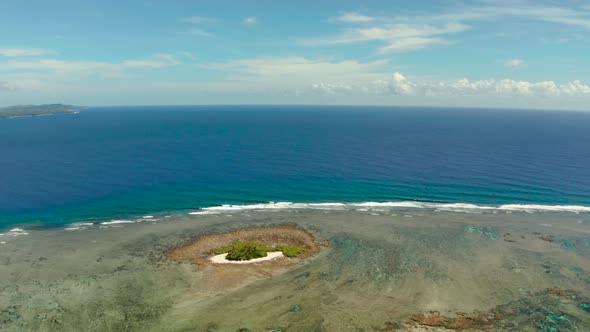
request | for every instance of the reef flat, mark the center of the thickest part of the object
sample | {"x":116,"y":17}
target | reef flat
{"x":414,"y":270}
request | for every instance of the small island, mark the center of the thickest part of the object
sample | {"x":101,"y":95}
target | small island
{"x":245,"y":246}
{"x":37,"y":110}
{"x":254,"y":251}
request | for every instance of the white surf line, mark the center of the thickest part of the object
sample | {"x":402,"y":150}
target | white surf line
{"x":388,"y":206}
{"x":15,"y":232}
{"x":114,"y":222}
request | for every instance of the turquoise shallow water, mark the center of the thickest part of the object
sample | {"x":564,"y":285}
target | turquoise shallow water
{"x":108,"y":163}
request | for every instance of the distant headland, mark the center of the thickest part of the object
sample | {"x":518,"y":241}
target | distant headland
{"x":36,"y":110}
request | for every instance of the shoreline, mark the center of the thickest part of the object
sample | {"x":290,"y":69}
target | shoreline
{"x":392,"y":207}
{"x":200,"y":250}
{"x":221,"y":259}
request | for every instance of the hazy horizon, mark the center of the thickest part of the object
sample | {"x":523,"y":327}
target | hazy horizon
{"x":482,"y":108}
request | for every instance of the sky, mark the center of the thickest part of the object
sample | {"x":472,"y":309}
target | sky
{"x":479,"y":53}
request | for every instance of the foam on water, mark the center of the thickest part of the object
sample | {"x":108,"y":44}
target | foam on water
{"x":114,"y":222}
{"x":374,"y":208}
{"x":544,"y":208}
{"x":386,"y":206}
{"x":14,"y":233}
{"x":79,"y":226}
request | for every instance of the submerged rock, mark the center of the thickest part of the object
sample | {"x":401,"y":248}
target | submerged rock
{"x":556,"y":322}
{"x":485,"y":231}
{"x":568,"y":244}
{"x":376,"y":261}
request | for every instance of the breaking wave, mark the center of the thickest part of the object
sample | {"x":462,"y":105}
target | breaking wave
{"x":384,"y":206}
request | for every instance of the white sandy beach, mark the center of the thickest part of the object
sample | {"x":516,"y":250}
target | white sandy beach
{"x":221,"y":259}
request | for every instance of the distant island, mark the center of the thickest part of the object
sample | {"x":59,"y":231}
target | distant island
{"x":36,"y":110}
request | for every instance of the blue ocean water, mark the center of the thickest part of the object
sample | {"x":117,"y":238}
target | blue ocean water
{"x":111,"y":162}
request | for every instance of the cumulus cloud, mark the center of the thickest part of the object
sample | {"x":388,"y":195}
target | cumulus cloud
{"x":575,"y":88}
{"x":22,"y":52}
{"x":398,"y":84}
{"x":332,"y":89}
{"x":352,"y":17}
{"x":515,"y":63}
{"x":352,"y":78}
{"x":250,"y":20}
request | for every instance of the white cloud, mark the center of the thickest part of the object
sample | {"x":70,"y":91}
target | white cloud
{"x":22,"y":52}
{"x":396,"y":37}
{"x":332,"y":89}
{"x":554,"y":40}
{"x":188,"y":55}
{"x":141,"y":64}
{"x":575,"y":88}
{"x":198,"y":20}
{"x":411,"y":44}
{"x":169,"y":58}
{"x":515,"y":63}
{"x":250,"y":20}
{"x":578,"y":17}
{"x":64,"y":67}
{"x":4,"y":86}
{"x":33,"y":78}
{"x":397,"y":84}
{"x":421,"y":31}
{"x":299,"y":71}
{"x":273,"y":80}
{"x":560,"y":15}
{"x":352,"y":17}
{"x":195,"y":32}
{"x":351,"y":78}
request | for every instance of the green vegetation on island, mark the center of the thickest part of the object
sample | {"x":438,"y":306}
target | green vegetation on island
{"x":247,"y":250}
{"x":35,"y":110}
{"x":290,"y":251}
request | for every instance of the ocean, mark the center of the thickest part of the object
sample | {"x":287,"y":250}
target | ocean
{"x":423,"y":219}
{"x":115,"y":163}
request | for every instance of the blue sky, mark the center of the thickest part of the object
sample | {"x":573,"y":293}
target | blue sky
{"x":483,"y":53}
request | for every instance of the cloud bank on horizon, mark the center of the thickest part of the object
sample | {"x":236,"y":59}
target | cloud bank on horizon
{"x":486,"y":53}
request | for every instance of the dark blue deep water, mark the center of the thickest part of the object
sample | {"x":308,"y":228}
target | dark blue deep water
{"x":113,"y":162}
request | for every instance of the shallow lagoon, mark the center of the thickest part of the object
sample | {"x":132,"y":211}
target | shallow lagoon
{"x":385,"y":270}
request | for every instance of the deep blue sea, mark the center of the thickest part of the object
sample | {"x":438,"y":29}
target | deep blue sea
{"x":115,"y":162}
